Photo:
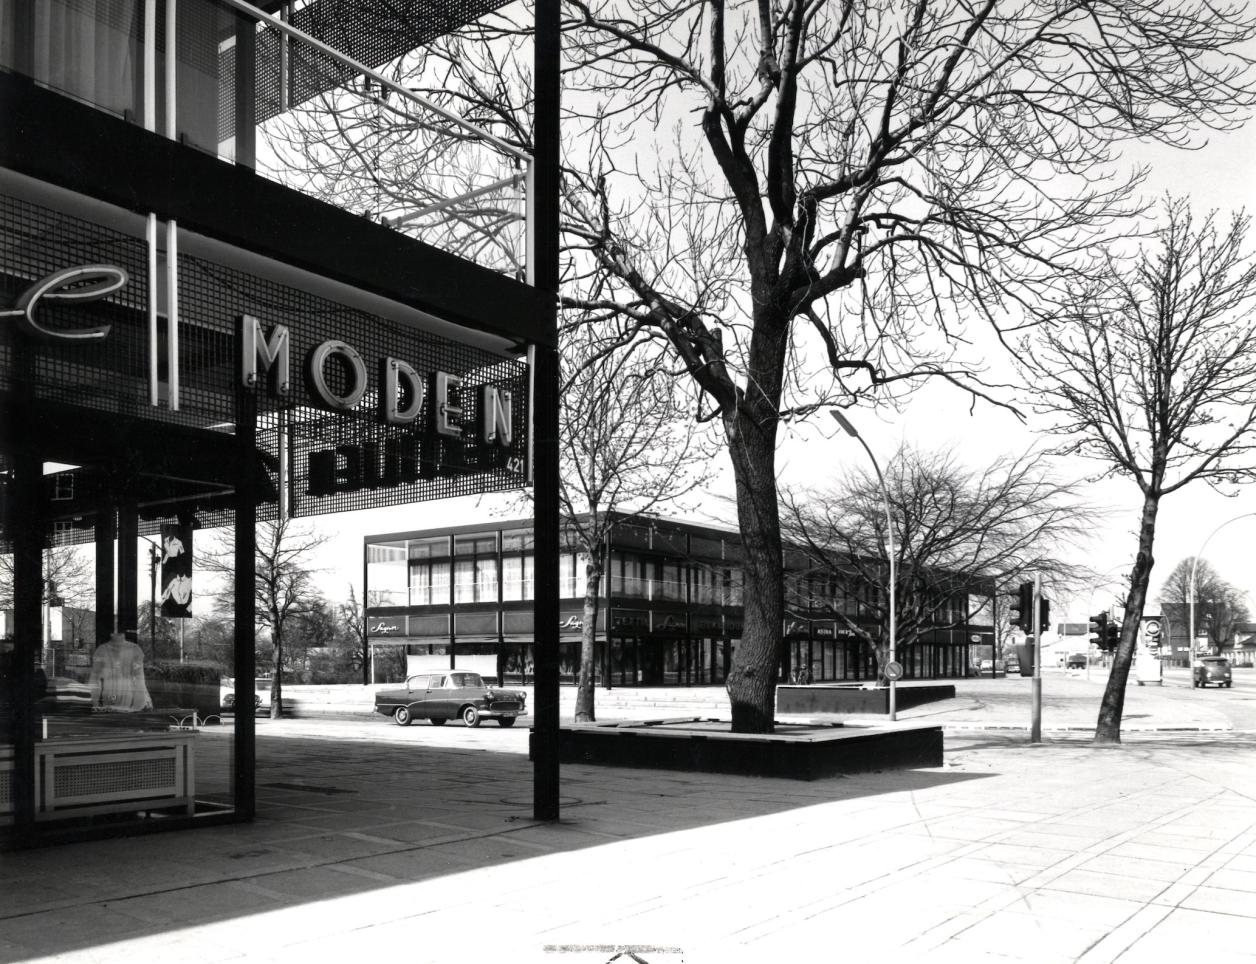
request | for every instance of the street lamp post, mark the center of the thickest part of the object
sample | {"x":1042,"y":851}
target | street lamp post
{"x":889,"y":537}
{"x":1190,"y":641}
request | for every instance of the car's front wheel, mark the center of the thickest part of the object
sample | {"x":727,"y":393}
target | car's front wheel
{"x":402,"y":716}
{"x":505,"y":721}
{"x":470,"y":716}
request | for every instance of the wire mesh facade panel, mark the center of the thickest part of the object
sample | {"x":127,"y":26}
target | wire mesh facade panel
{"x":342,"y":441}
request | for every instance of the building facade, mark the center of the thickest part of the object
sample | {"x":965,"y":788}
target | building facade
{"x":219,"y":309}
{"x":669,"y":610}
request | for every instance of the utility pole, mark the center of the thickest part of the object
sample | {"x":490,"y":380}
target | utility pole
{"x":1035,"y":726}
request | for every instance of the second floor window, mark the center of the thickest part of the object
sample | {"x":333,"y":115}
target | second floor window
{"x":518,"y":577}
{"x":475,"y":569}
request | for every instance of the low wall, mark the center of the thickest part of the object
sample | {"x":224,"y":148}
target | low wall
{"x":796,"y":753}
{"x":820,"y":698}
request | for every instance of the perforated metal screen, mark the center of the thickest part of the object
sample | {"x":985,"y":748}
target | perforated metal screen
{"x":338,"y":460}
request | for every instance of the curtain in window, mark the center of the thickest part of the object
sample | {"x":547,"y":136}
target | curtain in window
{"x":89,"y":49}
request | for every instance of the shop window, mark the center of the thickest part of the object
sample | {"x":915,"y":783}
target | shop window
{"x":671,"y":583}
{"x":734,"y":580}
{"x":573,"y":575}
{"x":704,"y":585}
{"x":429,"y":572}
{"x":386,"y":575}
{"x":475,"y":578}
{"x":630,"y":576}
{"x":518,"y":577}
{"x":429,"y":583}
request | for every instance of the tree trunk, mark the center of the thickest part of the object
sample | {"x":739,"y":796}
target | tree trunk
{"x":1108,"y":729}
{"x":752,"y":678}
{"x":588,"y":633}
{"x":276,"y":686}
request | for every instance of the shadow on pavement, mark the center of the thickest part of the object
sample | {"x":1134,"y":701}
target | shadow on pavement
{"x":341,"y":817}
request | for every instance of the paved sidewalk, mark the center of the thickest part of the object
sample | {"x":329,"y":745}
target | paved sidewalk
{"x":376,"y":842}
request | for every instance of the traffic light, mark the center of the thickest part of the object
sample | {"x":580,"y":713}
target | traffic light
{"x":1044,"y":614}
{"x":1112,"y":637}
{"x":1021,"y":613}
{"x":1098,"y":629}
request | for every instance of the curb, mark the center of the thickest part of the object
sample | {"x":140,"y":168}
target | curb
{"x":1135,"y":728}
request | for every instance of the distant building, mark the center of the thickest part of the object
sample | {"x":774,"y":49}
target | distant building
{"x":669,"y":613}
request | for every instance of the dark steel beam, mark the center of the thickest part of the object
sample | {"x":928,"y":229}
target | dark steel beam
{"x":545,"y":773}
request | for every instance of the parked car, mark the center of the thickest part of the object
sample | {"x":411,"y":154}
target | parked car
{"x":1212,"y":669}
{"x":449,"y":696}
{"x":1076,"y":661}
{"x":226,"y":693}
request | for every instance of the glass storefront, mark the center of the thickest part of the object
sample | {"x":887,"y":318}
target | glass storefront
{"x":103,"y":726}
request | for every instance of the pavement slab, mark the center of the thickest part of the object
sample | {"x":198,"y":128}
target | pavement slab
{"x":1009,"y":852}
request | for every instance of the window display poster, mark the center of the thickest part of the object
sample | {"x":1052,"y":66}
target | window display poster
{"x":176,"y":571}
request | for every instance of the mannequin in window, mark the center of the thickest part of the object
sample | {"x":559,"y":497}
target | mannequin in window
{"x":117,"y":678}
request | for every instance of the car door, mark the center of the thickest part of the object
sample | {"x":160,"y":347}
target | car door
{"x":439,"y":705}
{"x":416,"y":693}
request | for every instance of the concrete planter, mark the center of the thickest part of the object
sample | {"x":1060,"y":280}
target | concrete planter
{"x":793,"y":752}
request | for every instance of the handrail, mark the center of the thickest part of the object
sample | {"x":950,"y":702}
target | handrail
{"x":511,"y":181}
{"x":379,"y":78}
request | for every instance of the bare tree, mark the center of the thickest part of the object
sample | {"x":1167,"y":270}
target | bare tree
{"x":959,"y":534}
{"x":284,"y":586}
{"x":625,"y":449}
{"x":353,"y":621}
{"x":1219,"y":605}
{"x":807,"y":202}
{"x":68,"y":575}
{"x":1152,"y":372}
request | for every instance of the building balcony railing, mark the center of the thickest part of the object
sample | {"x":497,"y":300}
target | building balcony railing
{"x":269,"y":92}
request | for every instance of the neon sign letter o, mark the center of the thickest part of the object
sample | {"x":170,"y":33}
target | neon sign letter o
{"x":316,"y":368}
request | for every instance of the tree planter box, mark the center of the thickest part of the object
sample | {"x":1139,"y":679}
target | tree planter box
{"x":838,"y":698}
{"x":795,"y":752}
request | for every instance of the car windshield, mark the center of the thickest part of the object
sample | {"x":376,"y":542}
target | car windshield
{"x":466,"y":679}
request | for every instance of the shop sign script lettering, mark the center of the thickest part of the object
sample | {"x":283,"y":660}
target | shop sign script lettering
{"x":88,"y":282}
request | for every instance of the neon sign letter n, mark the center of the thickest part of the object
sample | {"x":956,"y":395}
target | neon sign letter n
{"x":495,"y":415}
{"x":271,"y":351}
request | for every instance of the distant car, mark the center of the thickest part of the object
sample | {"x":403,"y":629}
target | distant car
{"x":226,"y":693}
{"x":1076,"y":661}
{"x":450,"y":696}
{"x":1212,"y":669}
{"x":1013,"y":665}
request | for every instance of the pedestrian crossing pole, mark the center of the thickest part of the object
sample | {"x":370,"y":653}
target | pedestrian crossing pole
{"x":1035,"y":723}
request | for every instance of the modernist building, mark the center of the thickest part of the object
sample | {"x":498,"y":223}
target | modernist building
{"x":218,"y":307}
{"x":670,"y":609}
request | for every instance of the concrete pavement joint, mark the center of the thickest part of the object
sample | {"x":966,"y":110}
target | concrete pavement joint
{"x":951,"y":929}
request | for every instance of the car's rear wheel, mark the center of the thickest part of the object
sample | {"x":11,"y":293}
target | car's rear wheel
{"x":505,"y":721}
{"x":437,"y":721}
{"x":402,"y":716}
{"x":470,"y":716}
